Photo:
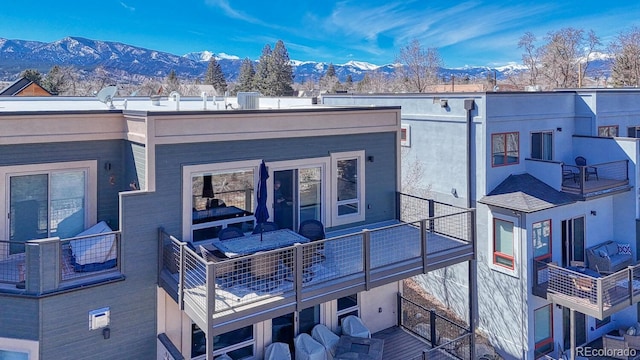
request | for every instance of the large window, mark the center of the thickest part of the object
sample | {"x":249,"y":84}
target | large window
{"x":543,"y":329}
{"x":222,"y":198}
{"x":505,"y":148}
{"x":347,"y":305}
{"x":59,"y":201}
{"x":541,"y":235}
{"x":503,"y":244}
{"x":348,"y":187}
{"x":542,"y":145}
{"x":608,"y":131}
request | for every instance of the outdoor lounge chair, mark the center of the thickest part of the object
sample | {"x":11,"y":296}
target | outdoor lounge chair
{"x":589,"y":170}
{"x":277,"y":351}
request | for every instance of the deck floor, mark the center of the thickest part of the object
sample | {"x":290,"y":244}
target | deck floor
{"x":400,"y":344}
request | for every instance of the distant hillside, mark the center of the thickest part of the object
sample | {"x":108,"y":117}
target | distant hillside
{"x":126,"y":61}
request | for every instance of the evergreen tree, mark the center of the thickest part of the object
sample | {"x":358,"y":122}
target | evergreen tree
{"x":331,"y":71}
{"x":348,"y":83}
{"x":214,"y":76}
{"x":32,"y":75}
{"x":329,"y":81}
{"x":54,"y":82}
{"x":245,"y":79}
{"x":172,"y":82}
{"x":282,"y":72}
{"x":260,"y":79}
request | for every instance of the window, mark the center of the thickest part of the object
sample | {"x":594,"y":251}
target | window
{"x":238,"y":344}
{"x":608,"y":131}
{"x":503,"y":243}
{"x":347,"y":305}
{"x":542,"y":145}
{"x":48,"y":200}
{"x":348,"y":187}
{"x":405,"y":135}
{"x":218,"y":196}
{"x":505,"y":148}
{"x":633,"y":131}
{"x":603,"y":322}
{"x":543,"y":329}
{"x":541,"y":234}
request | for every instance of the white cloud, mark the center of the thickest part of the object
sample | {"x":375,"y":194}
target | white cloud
{"x":130,"y":8}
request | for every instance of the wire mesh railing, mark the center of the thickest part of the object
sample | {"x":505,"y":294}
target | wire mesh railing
{"x":595,"y":177}
{"x":448,"y":338}
{"x":12,"y":267}
{"x":89,"y":255}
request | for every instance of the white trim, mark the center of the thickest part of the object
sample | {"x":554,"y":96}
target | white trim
{"x":31,"y":347}
{"x":187,"y":196}
{"x":360,"y":215}
{"x":91,"y":183}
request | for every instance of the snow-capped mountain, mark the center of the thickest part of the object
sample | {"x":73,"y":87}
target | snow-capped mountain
{"x":122,"y":60}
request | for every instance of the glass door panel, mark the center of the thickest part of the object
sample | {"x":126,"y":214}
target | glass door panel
{"x":297,"y":196}
{"x":68,"y":198}
{"x":310,"y":193}
{"x":28,"y":216}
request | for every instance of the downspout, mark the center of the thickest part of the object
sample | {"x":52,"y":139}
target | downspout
{"x":472,"y":272}
{"x":523,"y":287}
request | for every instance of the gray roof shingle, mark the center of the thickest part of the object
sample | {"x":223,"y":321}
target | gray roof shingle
{"x":527,"y":194}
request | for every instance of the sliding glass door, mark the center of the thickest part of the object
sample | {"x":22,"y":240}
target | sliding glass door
{"x":45,"y":205}
{"x":297,"y":196}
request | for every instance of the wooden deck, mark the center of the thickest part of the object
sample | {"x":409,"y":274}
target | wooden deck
{"x":399,"y":344}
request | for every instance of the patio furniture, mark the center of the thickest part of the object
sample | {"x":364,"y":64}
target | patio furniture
{"x":224,"y":269}
{"x":589,"y":170}
{"x":350,"y":347}
{"x":353,"y":326}
{"x":253,"y":243}
{"x":265,"y":227}
{"x":314,"y":231}
{"x":568,"y":175}
{"x":606,"y":258}
{"x":327,"y":338}
{"x":308,"y":349}
{"x":230,"y":232}
{"x":277,"y":351}
{"x":622,"y":340}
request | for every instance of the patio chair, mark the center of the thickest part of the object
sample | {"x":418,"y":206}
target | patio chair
{"x":589,"y":170}
{"x":224,"y":269}
{"x":277,"y":351}
{"x":264,"y":272}
{"x":265,"y":227}
{"x":308,"y":349}
{"x":353,"y":326}
{"x":327,"y":338}
{"x":230,"y":233}
{"x":314,"y":231}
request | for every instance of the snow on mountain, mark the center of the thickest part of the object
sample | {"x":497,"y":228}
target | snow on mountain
{"x":361,"y":65}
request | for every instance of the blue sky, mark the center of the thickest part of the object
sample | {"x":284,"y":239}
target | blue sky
{"x":480,"y":32}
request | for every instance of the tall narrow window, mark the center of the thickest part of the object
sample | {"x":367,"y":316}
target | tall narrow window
{"x":505,"y":148}
{"x":543,"y":329}
{"x":503,"y":254}
{"x":348,"y":187}
{"x":541,"y":234}
{"x":542,"y":145}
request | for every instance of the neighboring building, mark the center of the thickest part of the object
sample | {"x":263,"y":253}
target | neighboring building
{"x":24,"y":87}
{"x":541,"y":216}
{"x":168,"y":177}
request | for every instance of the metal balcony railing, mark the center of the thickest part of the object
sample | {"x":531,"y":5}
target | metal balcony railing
{"x":595,"y":179}
{"x":591,"y":294}
{"x":56,"y":264}
{"x":294,"y":274}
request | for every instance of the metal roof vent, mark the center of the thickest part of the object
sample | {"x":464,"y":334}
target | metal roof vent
{"x":248,"y":100}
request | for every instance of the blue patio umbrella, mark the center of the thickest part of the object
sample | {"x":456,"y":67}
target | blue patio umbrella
{"x":262,"y":213}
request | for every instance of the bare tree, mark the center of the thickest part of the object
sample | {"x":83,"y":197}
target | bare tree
{"x":565,"y":57}
{"x":530,"y":58}
{"x":625,"y":49}
{"x":420,"y":66}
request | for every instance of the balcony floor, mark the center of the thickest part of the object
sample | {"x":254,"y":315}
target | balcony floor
{"x":593,"y":186}
{"x":400,"y":344}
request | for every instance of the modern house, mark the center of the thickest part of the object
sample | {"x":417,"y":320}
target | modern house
{"x":113,"y":242}
{"x":553,"y":178}
{"x":24,"y":87}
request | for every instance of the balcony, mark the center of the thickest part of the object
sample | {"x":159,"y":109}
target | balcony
{"x":588,"y":292}
{"x":597,"y":179}
{"x":219,"y":293}
{"x":44,"y":266}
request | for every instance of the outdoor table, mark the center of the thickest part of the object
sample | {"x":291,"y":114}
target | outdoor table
{"x":350,"y":347}
{"x":254,"y":243}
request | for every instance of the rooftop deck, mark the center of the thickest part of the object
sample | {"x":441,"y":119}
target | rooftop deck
{"x":596,"y":179}
{"x":299,"y":276}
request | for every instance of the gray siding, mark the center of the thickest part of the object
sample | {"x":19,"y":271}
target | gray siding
{"x":19,"y":318}
{"x":103,"y":151}
{"x":136,"y":161}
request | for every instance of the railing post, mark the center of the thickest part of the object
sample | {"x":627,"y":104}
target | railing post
{"x":423,"y":244}
{"x":160,"y":253}
{"x":432,"y":328}
{"x":210,"y":283}
{"x":41,"y":274}
{"x":599,"y":294}
{"x":432,"y":213}
{"x":582,"y":179}
{"x":298,"y":274}
{"x":630,"y":287}
{"x":366,"y":237}
{"x":399,"y":310}
{"x":181,"y":278}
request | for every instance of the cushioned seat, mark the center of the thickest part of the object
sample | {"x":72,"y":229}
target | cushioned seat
{"x":609,"y":257}
{"x":327,"y":338}
{"x":277,"y":351}
{"x":353,"y":326}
